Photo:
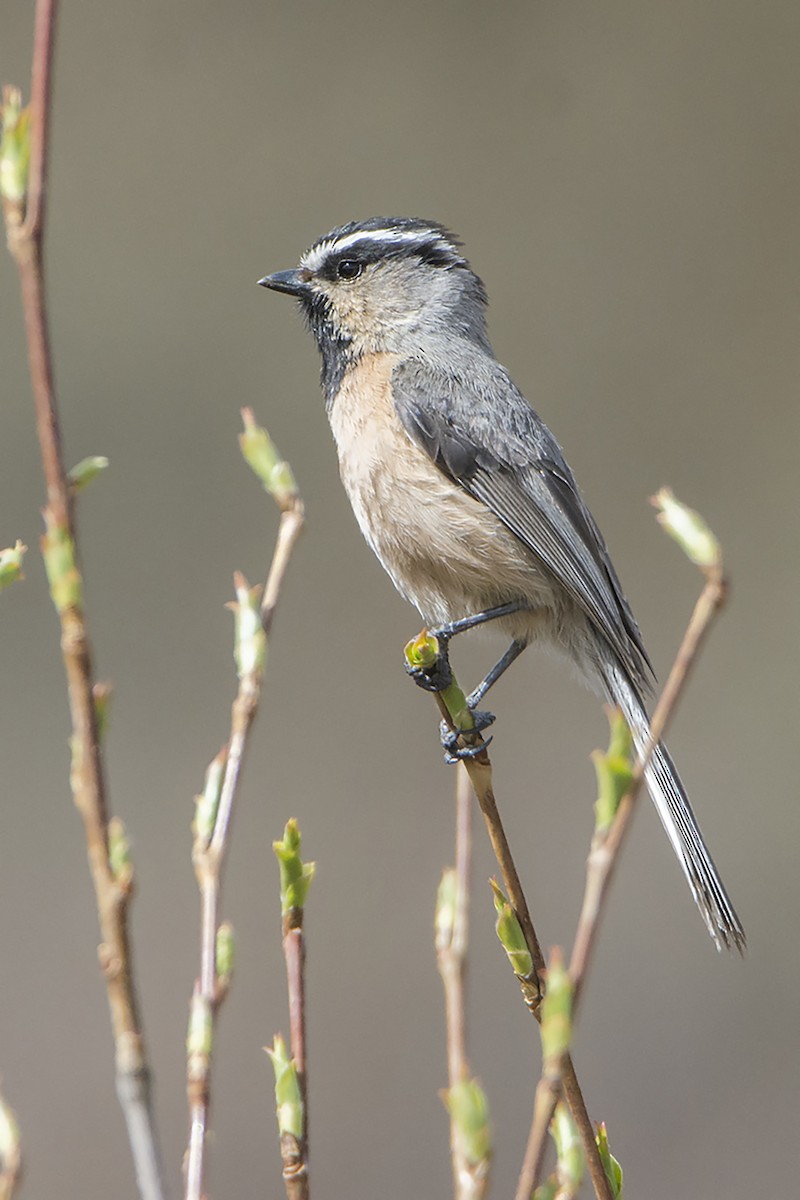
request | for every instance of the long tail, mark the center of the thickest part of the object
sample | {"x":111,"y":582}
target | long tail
{"x":676,"y":815}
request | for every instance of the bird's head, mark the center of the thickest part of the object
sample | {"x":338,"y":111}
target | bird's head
{"x":391,"y":284}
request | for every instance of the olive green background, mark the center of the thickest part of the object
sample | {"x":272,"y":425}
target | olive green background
{"x":625,"y":178}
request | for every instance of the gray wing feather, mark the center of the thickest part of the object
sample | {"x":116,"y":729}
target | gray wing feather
{"x":480,"y":431}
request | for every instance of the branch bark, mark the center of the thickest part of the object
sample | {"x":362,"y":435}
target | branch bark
{"x":605,"y":852}
{"x":479,"y":769}
{"x":211,"y":846}
{"x":25,"y":224}
{"x":470,"y":1179}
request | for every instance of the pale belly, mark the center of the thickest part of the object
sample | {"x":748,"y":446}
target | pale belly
{"x":445,"y":552}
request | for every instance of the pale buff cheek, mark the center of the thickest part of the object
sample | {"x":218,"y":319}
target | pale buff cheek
{"x":444,"y":551}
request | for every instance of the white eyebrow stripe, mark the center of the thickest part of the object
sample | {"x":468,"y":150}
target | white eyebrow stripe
{"x":314,"y":257}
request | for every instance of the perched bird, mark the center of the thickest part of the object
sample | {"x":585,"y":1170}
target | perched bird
{"x":463,"y":492}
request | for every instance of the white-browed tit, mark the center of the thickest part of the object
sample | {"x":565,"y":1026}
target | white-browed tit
{"x":462,"y":491}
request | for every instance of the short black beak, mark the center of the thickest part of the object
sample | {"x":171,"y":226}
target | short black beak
{"x":294,"y":282}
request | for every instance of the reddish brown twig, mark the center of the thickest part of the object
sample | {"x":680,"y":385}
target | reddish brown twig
{"x":291,"y":1081}
{"x":24,"y":216}
{"x":294,"y":1151}
{"x":479,"y":769}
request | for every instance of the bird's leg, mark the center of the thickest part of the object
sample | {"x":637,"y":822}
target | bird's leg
{"x":491,"y":677}
{"x":490,"y":614}
{"x":440,"y":676}
{"x":449,"y":737}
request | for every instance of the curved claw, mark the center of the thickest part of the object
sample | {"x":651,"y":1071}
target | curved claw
{"x":454,"y":753}
{"x":482,"y":718}
{"x":449,"y":737}
{"x":459,"y":753}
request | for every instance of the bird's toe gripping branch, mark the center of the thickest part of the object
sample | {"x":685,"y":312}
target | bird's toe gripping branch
{"x":453,"y":751}
{"x":427,"y":662}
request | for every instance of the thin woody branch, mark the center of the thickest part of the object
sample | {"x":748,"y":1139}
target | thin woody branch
{"x":701,"y":546}
{"x":291,"y":1080}
{"x":556,"y":1030}
{"x":480,"y":773}
{"x":703,"y":549}
{"x":422,"y":652}
{"x":10,"y":1152}
{"x":25,"y":152}
{"x":254,"y":614}
{"x":470,"y":1169}
{"x":452,"y":933}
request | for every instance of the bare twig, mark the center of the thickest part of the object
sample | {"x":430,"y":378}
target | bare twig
{"x":605,"y":851}
{"x":452,"y":935}
{"x":291,"y":1080}
{"x":556,"y":1030}
{"x":294,"y":953}
{"x":545,"y":1099}
{"x":607,"y":844}
{"x":470,"y":1178}
{"x":25,"y":212}
{"x":213,"y":823}
{"x":10,"y":1152}
{"x":479,"y":769}
{"x":294,"y":1150}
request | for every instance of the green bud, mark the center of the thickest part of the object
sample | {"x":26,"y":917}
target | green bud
{"x":446,"y":909}
{"x":620,"y":744}
{"x":288,"y":1097}
{"x":510,"y":933}
{"x":688,"y":529}
{"x":119,"y":851}
{"x":610,"y":1165}
{"x":295,"y":875}
{"x":422,"y":651}
{"x":11,"y":564}
{"x":261,"y":455}
{"x":66,"y":585}
{"x":547,"y":1190}
{"x":200,"y":1037}
{"x":556,"y":1027}
{"x":571,"y":1161}
{"x":15,"y":147}
{"x":225,"y":952}
{"x":614,"y":771}
{"x":206,"y":805}
{"x":251,"y":644}
{"x":469,"y":1110}
{"x":85,"y":471}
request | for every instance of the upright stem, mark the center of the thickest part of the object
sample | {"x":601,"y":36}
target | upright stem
{"x":294,"y":1151}
{"x":605,"y":851}
{"x":479,"y":769}
{"x":470,"y":1180}
{"x":604,"y":856}
{"x":209,"y":857}
{"x":25,"y":229}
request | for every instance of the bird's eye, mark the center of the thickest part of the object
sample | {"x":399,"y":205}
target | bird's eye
{"x":349,"y":268}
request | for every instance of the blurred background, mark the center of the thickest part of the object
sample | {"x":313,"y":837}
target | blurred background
{"x":625,"y":179}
